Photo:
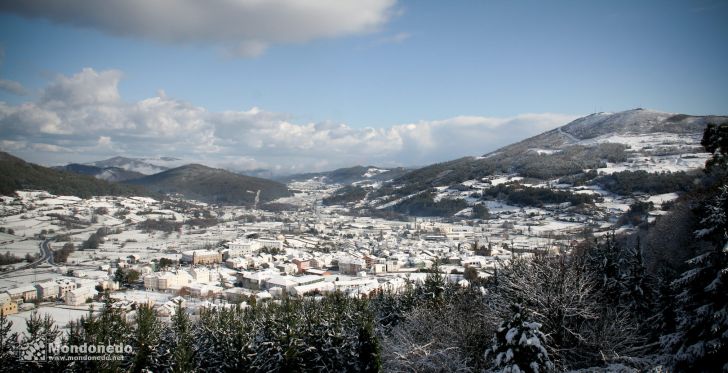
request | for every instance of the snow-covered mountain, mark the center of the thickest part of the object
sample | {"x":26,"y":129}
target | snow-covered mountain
{"x":578,"y":152}
{"x":350,"y":175}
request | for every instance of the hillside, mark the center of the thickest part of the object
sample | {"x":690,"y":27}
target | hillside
{"x":212,"y":185}
{"x":16,"y":174}
{"x":350,"y":175}
{"x":112,"y":174}
{"x":603,"y":143}
{"x":146,"y":166}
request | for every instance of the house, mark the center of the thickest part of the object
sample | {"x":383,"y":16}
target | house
{"x":283,"y":282}
{"x":25,"y":293}
{"x":302,"y":264}
{"x":253,"y":280}
{"x":7,"y":305}
{"x":392,"y":265}
{"x":167,"y":280}
{"x":200,"y":274}
{"x":237,"y":263}
{"x":241,"y":247}
{"x":47,"y":290}
{"x":270,"y":243}
{"x":79,"y":296}
{"x":196,"y":257}
{"x":351,"y":266}
{"x":318,"y":287}
{"x":203,"y":291}
{"x":237,"y":295}
{"x":64,"y":286}
{"x":288,"y":268}
{"x":108,"y":285}
{"x":133,"y":259}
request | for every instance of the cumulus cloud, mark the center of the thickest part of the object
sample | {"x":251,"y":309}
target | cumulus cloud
{"x":13,"y":87}
{"x":83,"y":118}
{"x":246,"y":26}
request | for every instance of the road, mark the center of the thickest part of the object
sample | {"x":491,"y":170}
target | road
{"x":568,"y":135}
{"x":46,"y":255}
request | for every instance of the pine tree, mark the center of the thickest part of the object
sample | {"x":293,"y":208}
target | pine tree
{"x":519,"y":346}
{"x":145,"y":340}
{"x":434,"y":286}
{"x":715,"y":141}
{"x":8,"y":344}
{"x":108,"y":328}
{"x":700,"y":343}
{"x":636,"y":290}
{"x":182,"y":353}
{"x":603,"y":260}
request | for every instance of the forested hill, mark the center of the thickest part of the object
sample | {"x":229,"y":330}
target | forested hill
{"x":213,"y":185}
{"x":17,"y":174}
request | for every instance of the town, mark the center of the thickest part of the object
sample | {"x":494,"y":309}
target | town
{"x":165,"y":253}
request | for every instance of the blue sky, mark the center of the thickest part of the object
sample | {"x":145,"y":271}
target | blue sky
{"x":407,"y":63}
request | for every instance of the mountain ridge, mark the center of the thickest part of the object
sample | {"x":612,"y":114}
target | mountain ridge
{"x":604,"y":142}
{"x":212,"y":185}
{"x":17,"y":174}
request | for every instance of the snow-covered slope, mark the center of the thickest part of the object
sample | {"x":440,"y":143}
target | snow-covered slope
{"x":638,"y":139}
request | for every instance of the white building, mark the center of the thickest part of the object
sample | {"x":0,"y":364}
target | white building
{"x":167,"y":280}
{"x":270,"y":243}
{"x":47,"y":290}
{"x":242,"y":247}
{"x":79,"y":296}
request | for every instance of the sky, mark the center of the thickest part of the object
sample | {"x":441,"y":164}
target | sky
{"x":310,"y":85}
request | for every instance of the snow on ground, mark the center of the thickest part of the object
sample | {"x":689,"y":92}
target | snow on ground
{"x":143,"y":296}
{"x":614,"y":205}
{"x":503,"y":179}
{"x":553,"y":225}
{"x":374,"y":172}
{"x":659,"y":199}
{"x":671,"y":163}
{"x":545,"y":151}
{"x":498,"y":207}
{"x":645,"y":141}
{"x":396,"y":201}
{"x":29,"y":276}
{"x":20,"y":246}
{"x":61,"y":314}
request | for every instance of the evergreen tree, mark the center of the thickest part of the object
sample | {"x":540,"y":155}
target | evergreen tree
{"x":109,"y":327}
{"x":519,"y":346}
{"x":434,"y":286}
{"x":183,"y":353}
{"x":637,"y":294}
{"x":42,"y":332}
{"x":368,"y":350}
{"x":145,"y":340}
{"x":715,"y":141}
{"x":700,"y":342}
{"x":603,"y":261}
{"x":8,"y":344}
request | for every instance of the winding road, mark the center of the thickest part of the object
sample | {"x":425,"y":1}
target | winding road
{"x":46,"y":255}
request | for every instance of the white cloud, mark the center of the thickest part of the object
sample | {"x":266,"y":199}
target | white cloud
{"x":83,"y":116}
{"x":13,"y":87}
{"x":88,"y":87}
{"x":246,"y":26}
